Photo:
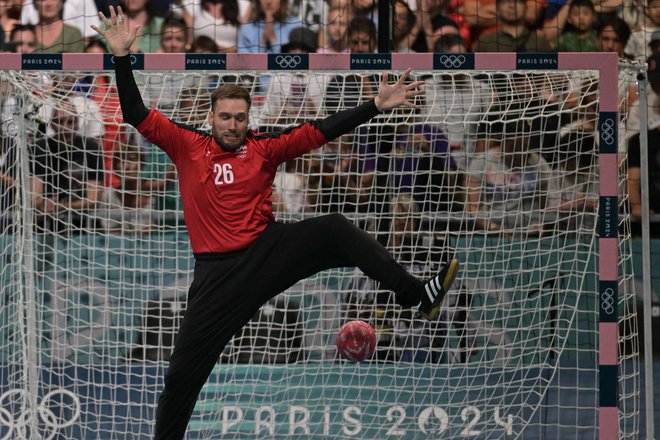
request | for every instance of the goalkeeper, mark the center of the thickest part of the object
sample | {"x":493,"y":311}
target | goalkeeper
{"x":242,"y":256}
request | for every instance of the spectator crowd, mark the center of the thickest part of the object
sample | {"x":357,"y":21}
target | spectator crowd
{"x":531,"y":173}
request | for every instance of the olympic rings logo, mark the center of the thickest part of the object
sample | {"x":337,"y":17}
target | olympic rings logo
{"x":607,"y":131}
{"x":47,"y":412}
{"x":607,"y":301}
{"x":133,"y":59}
{"x":288,"y":61}
{"x":452,"y":61}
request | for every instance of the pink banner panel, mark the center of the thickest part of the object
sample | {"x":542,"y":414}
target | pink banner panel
{"x":164,"y":61}
{"x":419,"y":61}
{"x":608,"y":259}
{"x":492,"y":61}
{"x":608,"y":344}
{"x":334,"y":61}
{"x":82,"y":61}
{"x":609,"y":423}
{"x":10,"y":61}
{"x":609,"y":174}
{"x":247,"y":61}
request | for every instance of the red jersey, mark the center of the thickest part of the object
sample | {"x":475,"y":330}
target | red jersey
{"x":227,"y":196}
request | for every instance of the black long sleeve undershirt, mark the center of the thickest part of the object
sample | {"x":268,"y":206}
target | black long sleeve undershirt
{"x":132,"y":106}
{"x":135,"y":111}
{"x":346,"y":120}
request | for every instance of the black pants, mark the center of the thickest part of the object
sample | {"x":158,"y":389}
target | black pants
{"x":228,"y":289}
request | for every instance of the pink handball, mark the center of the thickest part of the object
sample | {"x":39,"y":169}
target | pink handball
{"x":356,"y":341}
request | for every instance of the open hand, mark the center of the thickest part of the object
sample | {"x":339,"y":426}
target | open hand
{"x":117,"y":33}
{"x":394,"y":95}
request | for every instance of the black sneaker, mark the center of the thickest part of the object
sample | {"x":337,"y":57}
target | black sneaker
{"x":436,"y":289}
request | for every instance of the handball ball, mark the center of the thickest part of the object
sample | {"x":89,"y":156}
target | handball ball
{"x":356,"y":341}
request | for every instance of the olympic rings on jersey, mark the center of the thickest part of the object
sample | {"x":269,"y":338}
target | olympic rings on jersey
{"x":452,"y":61}
{"x":47,"y":409}
{"x":288,"y":61}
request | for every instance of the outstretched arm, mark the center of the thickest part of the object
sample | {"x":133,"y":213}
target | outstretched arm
{"x":389,"y":97}
{"x":119,"y":39}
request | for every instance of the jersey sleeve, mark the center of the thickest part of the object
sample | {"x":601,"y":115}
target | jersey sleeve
{"x":165,"y":134}
{"x":292,"y":142}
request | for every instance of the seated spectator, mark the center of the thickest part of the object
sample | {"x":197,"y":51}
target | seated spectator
{"x":335,"y":37}
{"x":612,"y":35}
{"x":405,"y":27}
{"x":654,"y":44}
{"x":638,"y":45}
{"x":163,"y":91}
{"x":8,"y":173}
{"x":24,"y":38}
{"x":457,"y":104}
{"x":483,"y":17}
{"x":103,"y":92}
{"x":143,"y":13}
{"x":7,"y":22}
{"x":634,"y":152}
{"x":580,"y":37}
{"x":295,"y":97}
{"x":344,"y":181}
{"x":67,"y":174}
{"x":420,"y":165}
{"x":90,"y":118}
{"x":173,"y":35}
{"x":268,"y":29}
{"x":126,"y":208}
{"x":53,"y":35}
{"x":366,"y":9}
{"x":290,"y":189}
{"x":220,"y":21}
{"x":512,"y":34}
{"x":346,"y":91}
{"x":576,"y":181}
{"x":435,"y":19}
{"x":508,"y":187}
{"x":80,"y":14}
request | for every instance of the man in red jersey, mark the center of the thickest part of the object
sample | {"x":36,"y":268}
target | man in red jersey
{"x":243,"y":257}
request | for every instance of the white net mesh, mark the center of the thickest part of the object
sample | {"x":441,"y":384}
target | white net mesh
{"x":498,"y":168}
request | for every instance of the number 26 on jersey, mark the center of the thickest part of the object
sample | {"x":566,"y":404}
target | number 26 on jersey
{"x":223,"y":173}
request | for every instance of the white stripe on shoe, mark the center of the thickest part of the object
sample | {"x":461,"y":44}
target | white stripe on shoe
{"x":429,"y":293}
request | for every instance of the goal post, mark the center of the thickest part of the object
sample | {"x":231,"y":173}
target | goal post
{"x":511,"y":164}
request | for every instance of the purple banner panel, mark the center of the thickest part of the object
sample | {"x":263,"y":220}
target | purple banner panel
{"x":609,"y":423}
{"x":164,"y":61}
{"x":608,"y":257}
{"x":417,"y":61}
{"x":609,"y":174}
{"x":608,"y":353}
{"x":335,"y":61}
{"x":495,"y":61}
{"x":10,"y":61}
{"x":247,"y":61}
{"x":82,"y":61}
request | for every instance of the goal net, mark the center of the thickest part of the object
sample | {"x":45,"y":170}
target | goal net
{"x":510,"y":165}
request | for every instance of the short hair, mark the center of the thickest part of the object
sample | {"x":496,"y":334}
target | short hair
{"x":362,"y":24}
{"x":230,"y":91}
{"x":174,"y":21}
{"x":22,"y":28}
{"x":447,"y":41}
{"x":204,"y":44}
{"x":586,"y":3}
{"x":621,"y":28}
